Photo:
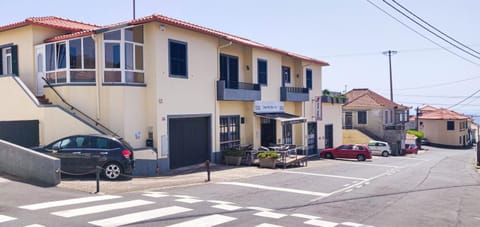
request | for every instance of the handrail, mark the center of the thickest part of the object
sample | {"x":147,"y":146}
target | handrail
{"x":79,"y":111}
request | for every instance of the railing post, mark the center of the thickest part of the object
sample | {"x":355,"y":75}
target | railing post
{"x":207,"y":165}
{"x":98,"y":178}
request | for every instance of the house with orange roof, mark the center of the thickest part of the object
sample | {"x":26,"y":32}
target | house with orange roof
{"x":376,"y":116}
{"x":185,"y":91}
{"x":444,"y":127}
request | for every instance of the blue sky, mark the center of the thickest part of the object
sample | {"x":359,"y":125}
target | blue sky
{"x":349,"y":34}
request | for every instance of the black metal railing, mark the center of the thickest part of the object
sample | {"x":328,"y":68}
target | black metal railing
{"x":72,"y":108}
{"x":394,"y":127}
{"x":300,"y":90}
{"x":242,"y":85}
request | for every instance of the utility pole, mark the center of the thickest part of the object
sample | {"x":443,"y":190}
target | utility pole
{"x":389,"y":53}
{"x":416,"y":119}
{"x":134,"y":9}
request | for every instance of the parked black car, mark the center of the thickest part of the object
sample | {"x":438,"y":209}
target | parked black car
{"x":80,"y":154}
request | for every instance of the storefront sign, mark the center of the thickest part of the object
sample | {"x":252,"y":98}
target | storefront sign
{"x":268,"y":107}
{"x":317,"y":108}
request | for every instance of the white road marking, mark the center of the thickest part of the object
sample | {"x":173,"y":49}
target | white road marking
{"x":156,"y":194}
{"x":227,"y":207}
{"x":370,"y":164}
{"x":322,"y":223}
{"x":275,"y":188}
{"x":346,"y":185}
{"x":101,"y":208}
{"x":325,"y":175}
{"x":305,"y":216}
{"x":414,"y":158}
{"x":140,"y":216}
{"x":34,"y":225}
{"x":219,"y":201}
{"x":185,"y":196}
{"x":268,"y":225}
{"x":189,"y":200}
{"x":3,"y":180}
{"x":359,"y":186}
{"x":207,"y":221}
{"x":349,"y":190}
{"x":5,"y":218}
{"x":66,"y":202}
{"x":352,"y":224}
{"x":269,"y":214}
{"x":259,"y":209}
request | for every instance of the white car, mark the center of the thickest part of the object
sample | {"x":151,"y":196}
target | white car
{"x":379,"y":148}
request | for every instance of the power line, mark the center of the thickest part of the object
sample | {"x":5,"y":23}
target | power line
{"x":458,"y":42}
{"x":435,"y":34}
{"x":437,"y":85}
{"x":420,"y":34}
{"x":463,"y":100}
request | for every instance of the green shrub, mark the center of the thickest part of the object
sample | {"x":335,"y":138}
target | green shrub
{"x":416,"y":133}
{"x":268,"y":154}
{"x":235,"y":153}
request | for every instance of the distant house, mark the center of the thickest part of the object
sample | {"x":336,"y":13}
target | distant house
{"x":376,"y":116}
{"x":331,"y":122}
{"x":443,"y":127}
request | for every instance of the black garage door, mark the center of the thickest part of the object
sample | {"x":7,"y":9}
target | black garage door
{"x":23,"y":133}
{"x":189,"y":141}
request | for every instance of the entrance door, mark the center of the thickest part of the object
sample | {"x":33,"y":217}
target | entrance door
{"x":348,"y":120}
{"x":312,"y":138}
{"x":328,"y":136}
{"x":269,"y":132}
{"x":229,"y":70}
{"x":287,"y":134}
{"x":40,"y":70}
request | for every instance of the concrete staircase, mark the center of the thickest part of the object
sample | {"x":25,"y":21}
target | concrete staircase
{"x":43,"y":100}
{"x":354,"y":136}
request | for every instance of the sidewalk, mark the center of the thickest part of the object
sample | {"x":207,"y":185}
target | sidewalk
{"x":184,"y":177}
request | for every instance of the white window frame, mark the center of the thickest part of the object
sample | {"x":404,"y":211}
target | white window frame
{"x":7,"y":61}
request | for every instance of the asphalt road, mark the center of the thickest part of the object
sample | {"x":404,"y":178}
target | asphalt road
{"x":436,"y":188}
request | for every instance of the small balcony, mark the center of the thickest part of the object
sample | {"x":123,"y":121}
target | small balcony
{"x":294,"y":94}
{"x":238,"y":91}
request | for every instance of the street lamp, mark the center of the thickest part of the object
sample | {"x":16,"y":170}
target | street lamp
{"x":389,"y":53}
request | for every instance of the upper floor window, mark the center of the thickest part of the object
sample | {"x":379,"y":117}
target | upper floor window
{"x":56,"y":55}
{"x":229,"y":70}
{"x":362,"y":117}
{"x":82,"y":60}
{"x":262,"y":71}
{"x":450,"y":125}
{"x":309,"y":79}
{"x":8,"y":60}
{"x":285,"y":75}
{"x":177,"y":51}
{"x":123,"y":57}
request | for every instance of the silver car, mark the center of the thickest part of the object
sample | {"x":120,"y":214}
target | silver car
{"x":379,"y":148}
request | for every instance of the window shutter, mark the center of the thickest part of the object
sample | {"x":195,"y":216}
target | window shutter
{"x":15,"y":60}
{"x":1,"y":61}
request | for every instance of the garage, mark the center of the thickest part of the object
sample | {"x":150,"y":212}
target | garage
{"x":189,"y":141}
{"x":23,"y":133}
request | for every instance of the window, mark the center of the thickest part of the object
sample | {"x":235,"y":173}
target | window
{"x":450,"y":125}
{"x":309,"y":79}
{"x":82,"y":60}
{"x":123,"y":57}
{"x":229,"y":70}
{"x":362,"y":117}
{"x":285,"y":75}
{"x":56,"y":55}
{"x":262,"y":71}
{"x":287,"y":134}
{"x":8,"y":60}
{"x":229,"y":132}
{"x":177,"y":58}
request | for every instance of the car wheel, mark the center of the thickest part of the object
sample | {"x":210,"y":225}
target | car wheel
{"x":360,"y":157}
{"x":112,"y":170}
{"x":329,"y":155}
{"x":385,"y":153}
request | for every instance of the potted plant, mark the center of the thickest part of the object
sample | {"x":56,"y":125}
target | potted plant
{"x":233,"y":157}
{"x":268,"y":159}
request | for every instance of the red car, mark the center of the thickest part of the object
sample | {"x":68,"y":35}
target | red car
{"x":411,"y":149}
{"x":353,"y":151}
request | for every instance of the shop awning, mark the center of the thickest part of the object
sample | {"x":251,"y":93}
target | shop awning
{"x":285,"y":118}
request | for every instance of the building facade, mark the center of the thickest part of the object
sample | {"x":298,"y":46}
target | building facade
{"x":187,"y":91}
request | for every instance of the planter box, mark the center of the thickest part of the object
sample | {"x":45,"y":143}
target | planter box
{"x":233,"y":160}
{"x":267,"y":163}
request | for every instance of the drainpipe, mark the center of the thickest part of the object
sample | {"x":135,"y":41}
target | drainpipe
{"x":215,"y":95}
{"x":98,"y":77}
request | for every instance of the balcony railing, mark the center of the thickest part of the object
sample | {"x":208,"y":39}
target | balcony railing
{"x":238,"y":91}
{"x":294,"y":94}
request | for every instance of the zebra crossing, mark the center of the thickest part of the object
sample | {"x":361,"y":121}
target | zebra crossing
{"x":153,"y":205}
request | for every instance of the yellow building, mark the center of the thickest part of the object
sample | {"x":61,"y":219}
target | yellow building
{"x":186,"y":90}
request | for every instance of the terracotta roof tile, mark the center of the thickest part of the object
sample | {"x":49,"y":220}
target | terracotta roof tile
{"x":52,"y":22}
{"x":364,"y":97}
{"x":196,"y":28}
{"x":443,"y":114}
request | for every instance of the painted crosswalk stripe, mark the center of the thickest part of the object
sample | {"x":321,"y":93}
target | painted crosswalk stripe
{"x":66,"y":202}
{"x":189,"y":200}
{"x":322,"y":223}
{"x":275,"y":188}
{"x":5,"y":218}
{"x":268,"y":225}
{"x":227,"y":207}
{"x":352,"y":224}
{"x":34,"y":225}
{"x":268,"y":214}
{"x":156,"y":194}
{"x":101,"y":208}
{"x":305,"y":216}
{"x":140,"y":216}
{"x":207,"y":221}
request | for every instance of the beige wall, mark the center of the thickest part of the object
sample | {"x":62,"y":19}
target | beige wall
{"x":331,"y":115}
{"x":243,"y":109}
{"x":54,"y":122}
{"x":436,"y":132}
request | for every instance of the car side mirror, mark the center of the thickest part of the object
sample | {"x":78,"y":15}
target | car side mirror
{"x":55,"y":148}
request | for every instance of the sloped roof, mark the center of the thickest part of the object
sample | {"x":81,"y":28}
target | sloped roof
{"x":428,"y":108}
{"x":364,"y":97}
{"x":188,"y":26}
{"x":52,"y":22}
{"x":443,"y":114}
